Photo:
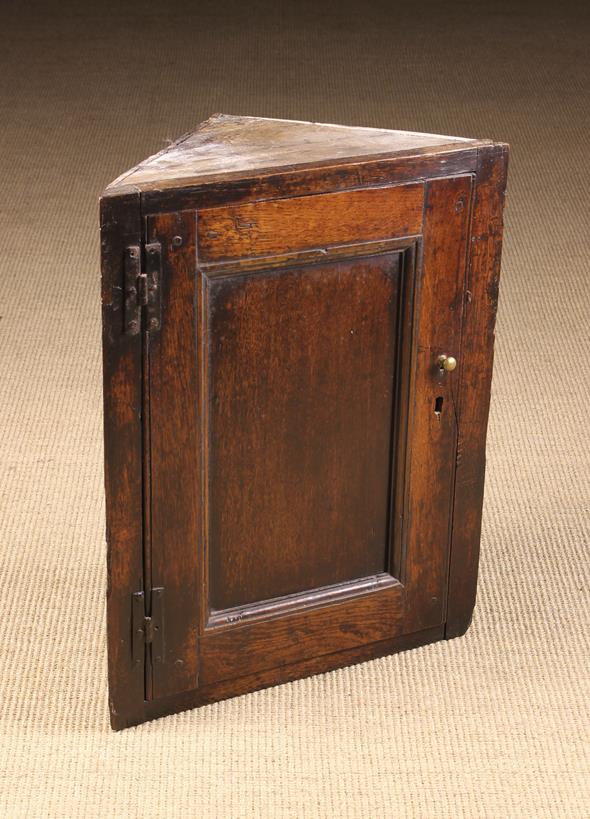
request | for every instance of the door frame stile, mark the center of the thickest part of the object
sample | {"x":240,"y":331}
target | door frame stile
{"x":121,"y":228}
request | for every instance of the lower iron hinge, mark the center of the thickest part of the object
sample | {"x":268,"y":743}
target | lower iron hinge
{"x":143,"y":290}
{"x":147,"y":629}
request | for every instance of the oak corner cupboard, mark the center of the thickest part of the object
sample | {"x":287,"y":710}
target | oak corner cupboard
{"x":298,"y":325}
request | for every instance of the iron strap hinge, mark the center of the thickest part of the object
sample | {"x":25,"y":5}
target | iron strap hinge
{"x":143,"y":289}
{"x":147,"y":630}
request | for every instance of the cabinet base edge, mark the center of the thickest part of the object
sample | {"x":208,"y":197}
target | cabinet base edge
{"x":276,"y":676}
{"x":458,"y":625}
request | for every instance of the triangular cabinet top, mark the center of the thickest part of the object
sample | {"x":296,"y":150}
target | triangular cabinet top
{"x":243,"y":146}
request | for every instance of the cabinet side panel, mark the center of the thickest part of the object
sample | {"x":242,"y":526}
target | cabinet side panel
{"x":476,"y":374}
{"x":174,"y":448}
{"x":120,"y":227}
{"x":433,"y":421}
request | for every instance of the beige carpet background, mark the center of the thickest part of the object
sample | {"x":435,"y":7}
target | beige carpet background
{"x":491,"y":725}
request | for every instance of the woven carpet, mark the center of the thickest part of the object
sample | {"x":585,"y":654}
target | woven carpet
{"x":494,"y":724}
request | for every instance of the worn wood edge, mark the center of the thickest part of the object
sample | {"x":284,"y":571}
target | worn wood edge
{"x":276,"y":676}
{"x":476,"y":362}
{"x":305,"y":179}
{"x":300,"y":601}
{"x":123,"y":192}
{"x":124,"y":181}
{"x":459,"y":628}
{"x":360,"y":250}
{"x":327,"y":127}
{"x":120,"y":183}
{"x":297,"y":167}
{"x":120,"y":226}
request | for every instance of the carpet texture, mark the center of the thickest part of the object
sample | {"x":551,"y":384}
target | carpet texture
{"x":491,"y":725}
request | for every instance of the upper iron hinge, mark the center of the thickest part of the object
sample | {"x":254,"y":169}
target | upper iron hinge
{"x":143,"y":289}
{"x":148,"y":629}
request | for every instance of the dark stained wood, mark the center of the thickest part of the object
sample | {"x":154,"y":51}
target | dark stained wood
{"x":477,"y":353}
{"x":268,"y":228}
{"x":284,"y":457}
{"x":309,"y":256}
{"x":305,"y":600}
{"x":120,"y":227}
{"x":247,"y":649}
{"x":174,"y":454}
{"x":301,"y":377}
{"x":206,"y":694}
{"x":432,"y":444}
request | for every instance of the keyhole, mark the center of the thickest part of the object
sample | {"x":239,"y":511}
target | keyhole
{"x":438,"y":404}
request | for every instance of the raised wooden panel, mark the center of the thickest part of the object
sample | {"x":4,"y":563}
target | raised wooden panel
{"x":284,"y":225}
{"x":301,"y":375}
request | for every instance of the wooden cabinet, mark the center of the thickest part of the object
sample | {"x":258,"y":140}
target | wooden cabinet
{"x":298,"y":333}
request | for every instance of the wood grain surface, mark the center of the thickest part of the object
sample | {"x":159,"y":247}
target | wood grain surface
{"x":434,"y":426}
{"x":477,"y":356}
{"x":286,"y":458}
{"x":301,"y":378}
{"x":266,"y":228}
{"x":174,"y":455}
{"x":122,"y":373}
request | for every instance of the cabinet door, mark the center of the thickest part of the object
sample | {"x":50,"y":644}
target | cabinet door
{"x":300,"y":435}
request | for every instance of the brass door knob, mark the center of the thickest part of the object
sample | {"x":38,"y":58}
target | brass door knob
{"x":447,"y":363}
